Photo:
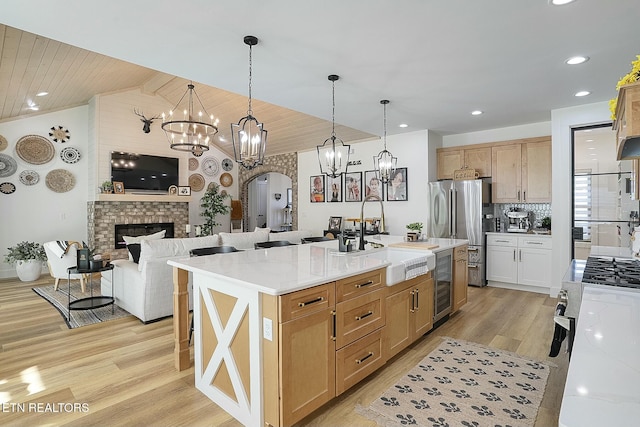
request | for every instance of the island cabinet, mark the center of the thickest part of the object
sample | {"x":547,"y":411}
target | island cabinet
{"x":329,"y":338}
{"x":409,"y":307}
{"x":521,"y":172}
{"x":460,"y":277}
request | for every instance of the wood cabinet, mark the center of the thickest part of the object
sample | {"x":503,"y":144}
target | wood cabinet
{"x":329,"y":338}
{"x":627,"y":123}
{"x":409,"y":307}
{"x":460,"y":277}
{"x":521,"y":172}
{"x":519,"y":260}
{"x":449,"y":160}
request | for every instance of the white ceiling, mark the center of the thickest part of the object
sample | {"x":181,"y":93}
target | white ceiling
{"x":435,"y":60}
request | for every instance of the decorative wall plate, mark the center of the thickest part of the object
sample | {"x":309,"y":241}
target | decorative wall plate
{"x":35,"y":149}
{"x":60,"y":180}
{"x":29,"y":177}
{"x":3,"y":143}
{"x":193,"y":164}
{"x":226,"y":179}
{"x":7,"y":188}
{"x":8,"y":165}
{"x":70,"y":155}
{"x":210,"y":166}
{"x":196,"y":182}
{"x":227,"y":164}
{"x":211,"y":185}
{"x":59,"y":134}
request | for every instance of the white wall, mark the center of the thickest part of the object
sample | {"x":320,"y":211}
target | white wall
{"x":277,"y":183}
{"x":494,"y":135}
{"x":413,"y":152}
{"x":36,"y":213}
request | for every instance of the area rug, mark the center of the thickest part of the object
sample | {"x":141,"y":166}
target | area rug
{"x":464,"y":384}
{"x":60,"y":299}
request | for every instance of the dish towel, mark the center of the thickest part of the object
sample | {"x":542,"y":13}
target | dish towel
{"x":415,"y":267}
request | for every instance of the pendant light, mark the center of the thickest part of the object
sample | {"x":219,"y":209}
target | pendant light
{"x":384,"y":163}
{"x":191,"y":133}
{"x":333,"y":154}
{"x":248,"y":136}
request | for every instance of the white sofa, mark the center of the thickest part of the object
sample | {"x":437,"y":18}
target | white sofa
{"x":145,"y":289}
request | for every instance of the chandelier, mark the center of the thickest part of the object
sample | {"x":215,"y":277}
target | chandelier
{"x":384,"y":163}
{"x":191,"y":132}
{"x":333,"y":154}
{"x":248,"y":136}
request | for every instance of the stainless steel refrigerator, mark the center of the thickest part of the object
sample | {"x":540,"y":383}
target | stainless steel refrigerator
{"x":463,"y":210}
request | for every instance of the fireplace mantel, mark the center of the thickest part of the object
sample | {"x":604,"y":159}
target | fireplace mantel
{"x":128,"y":197}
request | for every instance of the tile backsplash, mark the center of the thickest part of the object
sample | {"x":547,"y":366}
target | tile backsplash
{"x":540,"y":210}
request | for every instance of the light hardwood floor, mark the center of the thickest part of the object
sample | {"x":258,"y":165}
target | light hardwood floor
{"x":122,"y":371}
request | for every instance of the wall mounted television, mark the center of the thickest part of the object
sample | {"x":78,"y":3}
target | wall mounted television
{"x":144,"y":172}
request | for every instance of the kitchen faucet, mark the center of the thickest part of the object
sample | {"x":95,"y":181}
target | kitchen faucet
{"x":380,"y":230}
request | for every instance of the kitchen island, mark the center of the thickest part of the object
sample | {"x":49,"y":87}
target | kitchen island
{"x":281,"y":331}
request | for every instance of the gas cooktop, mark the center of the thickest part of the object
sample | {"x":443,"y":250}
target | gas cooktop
{"x":611,"y":271}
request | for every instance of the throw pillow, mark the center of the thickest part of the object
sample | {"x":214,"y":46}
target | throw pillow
{"x":137,"y":239}
{"x":134,"y":251}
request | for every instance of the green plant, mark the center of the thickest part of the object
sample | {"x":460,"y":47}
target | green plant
{"x":213,"y":204}
{"x":24,"y":251}
{"x":546,"y":222}
{"x":415,"y":226}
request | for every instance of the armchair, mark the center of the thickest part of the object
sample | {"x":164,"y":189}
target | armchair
{"x":59,"y":260}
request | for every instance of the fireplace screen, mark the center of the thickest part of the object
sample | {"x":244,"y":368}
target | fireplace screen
{"x":136,"y":230}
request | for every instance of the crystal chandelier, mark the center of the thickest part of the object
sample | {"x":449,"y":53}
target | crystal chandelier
{"x":333,"y":154}
{"x":384,"y":163}
{"x":191,"y":132}
{"x":249,"y":136}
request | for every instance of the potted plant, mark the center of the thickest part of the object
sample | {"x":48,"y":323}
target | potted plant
{"x":107,"y":187}
{"x":28,"y":258}
{"x":415,"y":232}
{"x":213,"y":204}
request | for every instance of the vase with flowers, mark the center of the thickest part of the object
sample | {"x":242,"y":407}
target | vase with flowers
{"x":632,"y":77}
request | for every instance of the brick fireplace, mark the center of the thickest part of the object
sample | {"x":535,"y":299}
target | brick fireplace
{"x":102,"y":217}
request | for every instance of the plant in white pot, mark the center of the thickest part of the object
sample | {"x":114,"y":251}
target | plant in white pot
{"x":28,"y":258}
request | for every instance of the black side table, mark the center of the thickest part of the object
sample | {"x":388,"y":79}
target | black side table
{"x":91,"y":301}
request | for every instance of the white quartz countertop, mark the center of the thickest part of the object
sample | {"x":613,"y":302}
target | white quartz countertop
{"x":280,"y":270}
{"x":603,"y":381}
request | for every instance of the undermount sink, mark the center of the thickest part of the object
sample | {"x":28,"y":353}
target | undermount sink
{"x":404,"y":263}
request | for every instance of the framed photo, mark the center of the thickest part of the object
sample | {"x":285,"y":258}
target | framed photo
{"x":184,"y":190}
{"x":118,"y":187}
{"x":334,"y":189}
{"x":353,"y":187}
{"x":335,"y":223}
{"x":317,"y":188}
{"x":372,"y":185}
{"x":397,"y":185}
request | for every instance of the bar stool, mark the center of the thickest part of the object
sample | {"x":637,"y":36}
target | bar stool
{"x":272,"y":244}
{"x":315,"y":239}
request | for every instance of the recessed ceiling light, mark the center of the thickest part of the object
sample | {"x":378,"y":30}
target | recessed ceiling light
{"x":575,"y":60}
{"x":589,"y":140}
{"x":591,"y":148}
{"x":560,"y":2}
{"x":42,"y":93}
{"x":583,"y":93}
{"x":476,"y":113}
{"x":403,"y":125}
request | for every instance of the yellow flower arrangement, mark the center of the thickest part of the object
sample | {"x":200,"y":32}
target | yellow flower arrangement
{"x":632,"y":77}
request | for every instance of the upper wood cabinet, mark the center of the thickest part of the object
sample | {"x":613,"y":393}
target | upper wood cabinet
{"x":627,"y":123}
{"x":450,"y":160}
{"x":521,"y":171}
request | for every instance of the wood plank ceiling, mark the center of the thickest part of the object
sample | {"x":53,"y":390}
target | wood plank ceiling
{"x":31,"y":63}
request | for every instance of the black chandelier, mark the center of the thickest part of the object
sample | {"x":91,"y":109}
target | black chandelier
{"x":249,"y":136}
{"x":191,"y":132}
{"x":384,"y":163}
{"x":333,"y":154}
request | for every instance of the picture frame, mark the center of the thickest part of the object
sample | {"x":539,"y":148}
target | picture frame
{"x":372,"y":185}
{"x":316,"y":188}
{"x":353,"y":187}
{"x":184,"y":190}
{"x":118,"y":187}
{"x":397,"y":186}
{"x":334,"y":189}
{"x":335,"y":223}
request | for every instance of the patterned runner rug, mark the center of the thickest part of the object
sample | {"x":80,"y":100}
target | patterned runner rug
{"x":60,"y":299}
{"x":464,"y":384}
